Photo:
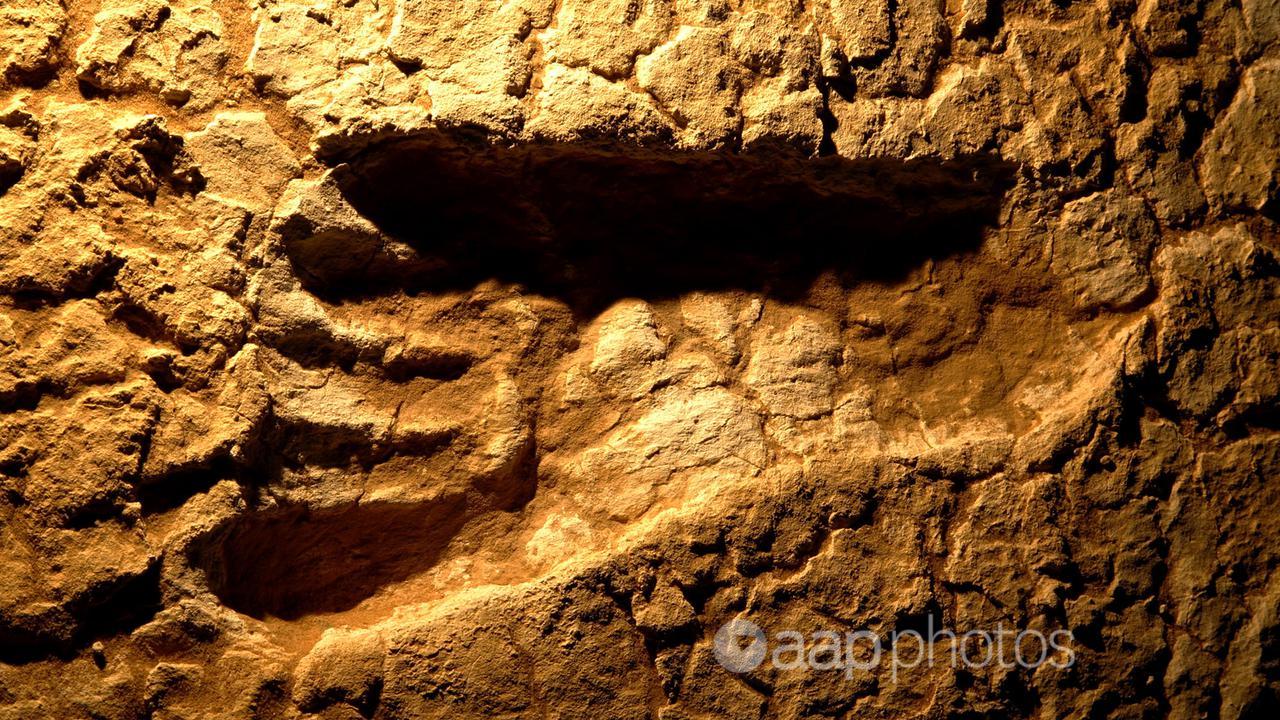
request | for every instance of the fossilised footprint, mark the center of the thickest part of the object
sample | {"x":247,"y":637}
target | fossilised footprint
{"x":386,"y":439}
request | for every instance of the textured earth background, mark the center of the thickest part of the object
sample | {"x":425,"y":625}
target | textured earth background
{"x":481,"y":358}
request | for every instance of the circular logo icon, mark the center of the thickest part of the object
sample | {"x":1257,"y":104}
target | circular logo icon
{"x":740,"y":646}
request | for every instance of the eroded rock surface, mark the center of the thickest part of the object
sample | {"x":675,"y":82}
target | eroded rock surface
{"x":428,"y":359}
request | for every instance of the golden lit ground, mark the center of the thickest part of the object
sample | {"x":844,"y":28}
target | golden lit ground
{"x":420,"y":359}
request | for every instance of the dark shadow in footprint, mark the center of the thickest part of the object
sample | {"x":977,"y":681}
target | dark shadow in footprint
{"x":292,"y":562}
{"x":592,"y":225}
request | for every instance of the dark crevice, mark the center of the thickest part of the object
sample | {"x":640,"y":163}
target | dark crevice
{"x":94,"y":513}
{"x":430,"y":363}
{"x":10,"y":174}
{"x":35,"y":78}
{"x":1271,"y":208}
{"x":24,"y":395}
{"x":84,"y":283}
{"x":1262,"y":418}
{"x":318,"y":350}
{"x":1265,"y":705}
{"x":590,"y":226}
{"x":89,"y":91}
{"x":175,"y":488}
{"x":101,"y":612}
{"x":827,"y":147}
